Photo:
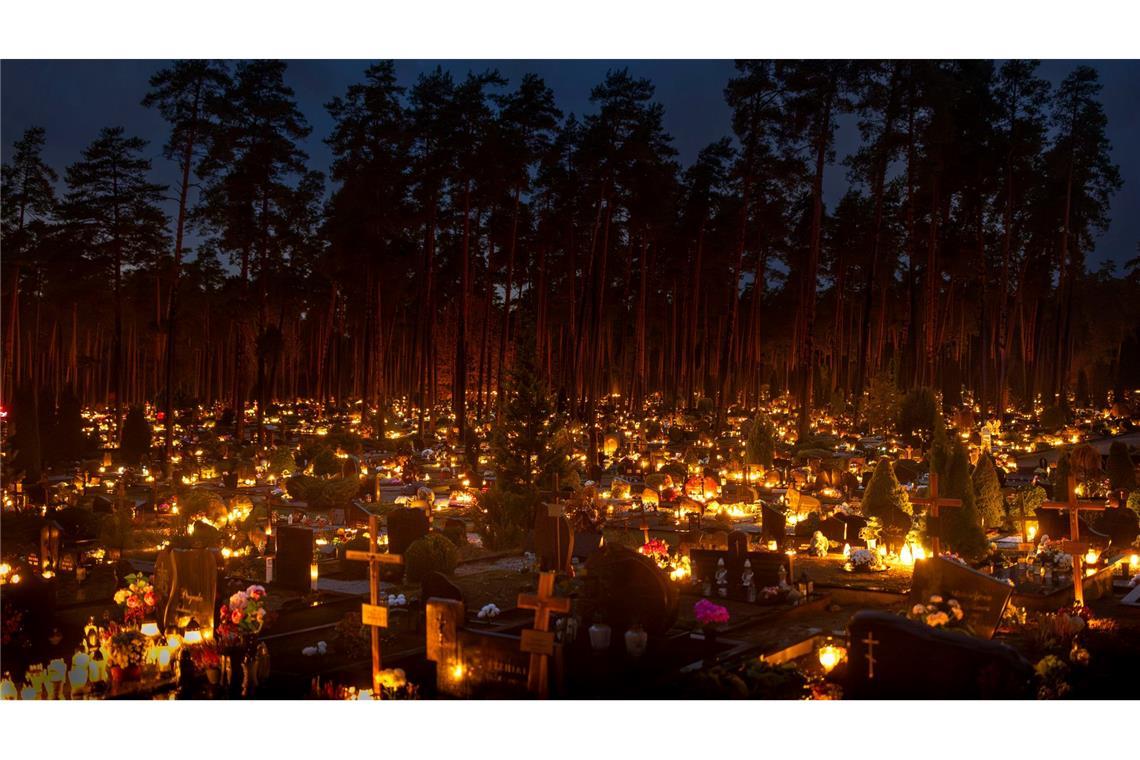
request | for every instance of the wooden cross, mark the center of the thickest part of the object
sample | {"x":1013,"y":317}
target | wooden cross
{"x":539,"y":641}
{"x":373,"y":614}
{"x":870,"y":641}
{"x":643,"y":526}
{"x":933,"y":502}
{"x":1074,"y":545}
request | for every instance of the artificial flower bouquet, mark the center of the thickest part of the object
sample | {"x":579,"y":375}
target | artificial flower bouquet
{"x":245,"y":613}
{"x":709,"y":613}
{"x":657,"y":550}
{"x":863,"y":561}
{"x":128,"y":649}
{"x":941,"y":612}
{"x":138,"y":599}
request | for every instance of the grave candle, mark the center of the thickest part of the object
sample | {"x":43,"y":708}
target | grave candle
{"x":314,"y":574}
{"x":78,"y":680}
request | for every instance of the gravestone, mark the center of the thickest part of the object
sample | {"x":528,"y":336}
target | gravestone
{"x":586,"y":544}
{"x":405,"y":526}
{"x":628,"y":587}
{"x":493,"y":666}
{"x":737,"y":543}
{"x":553,"y":541}
{"x":103,"y":505}
{"x":983,"y":597}
{"x":187,"y":581}
{"x":844,"y":528}
{"x":294,"y":558}
{"x":437,"y":585}
{"x":765,"y":568}
{"x":774,"y":523}
{"x":1120,"y":525}
{"x":891,"y":657}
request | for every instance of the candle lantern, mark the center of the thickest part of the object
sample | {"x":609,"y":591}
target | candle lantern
{"x":193,"y":633}
{"x":831,"y":655}
{"x":8,"y":688}
{"x":314,"y":575}
{"x":149,"y":629}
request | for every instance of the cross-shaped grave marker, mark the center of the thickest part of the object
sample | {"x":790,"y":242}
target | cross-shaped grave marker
{"x":373,"y":614}
{"x":1074,"y":546}
{"x":933,"y":502}
{"x":539,"y":641}
{"x":870,"y":641}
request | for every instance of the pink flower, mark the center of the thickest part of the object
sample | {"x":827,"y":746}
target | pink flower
{"x":236,"y":616}
{"x":708,"y":613}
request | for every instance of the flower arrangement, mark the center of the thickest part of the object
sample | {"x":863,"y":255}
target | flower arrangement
{"x":488,"y":612}
{"x":128,"y":648}
{"x":245,"y":612}
{"x":397,"y":600}
{"x":205,"y":657}
{"x":708,"y":613}
{"x":939,"y":612}
{"x":657,"y":550}
{"x":138,"y":599}
{"x":863,"y":560}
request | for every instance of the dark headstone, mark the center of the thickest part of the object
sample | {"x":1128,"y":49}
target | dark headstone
{"x":553,"y":541}
{"x":294,"y":558}
{"x":1120,"y":525}
{"x":774,"y":523}
{"x":844,"y":528}
{"x":405,"y":526}
{"x":891,"y":657}
{"x":765,"y":567}
{"x":627,"y":587}
{"x":585,"y":544}
{"x":103,"y":505}
{"x":983,"y":597}
{"x":187,"y":582}
{"x":738,"y":543}
{"x":439,"y":586}
{"x":494,"y":667}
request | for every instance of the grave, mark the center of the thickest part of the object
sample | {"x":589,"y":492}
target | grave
{"x":291,"y":568}
{"x":843,"y":528}
{"x":476,"y":664}
{"x":627,"y":587}
{"x":765,"y":568}
{"x":983,"y":597}
{"x":891,"y":657}
{"x":553,"y":540}
{"x":405,"y":525}
{"x":186,"y":581}
{"x":774,"y":523}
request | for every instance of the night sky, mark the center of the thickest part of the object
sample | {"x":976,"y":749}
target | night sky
{"x":73,"y":100}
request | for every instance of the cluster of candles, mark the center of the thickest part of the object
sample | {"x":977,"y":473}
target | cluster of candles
{"x":90,"y":665}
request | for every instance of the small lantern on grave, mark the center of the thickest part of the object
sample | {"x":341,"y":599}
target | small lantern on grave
{"x":831,"y":655}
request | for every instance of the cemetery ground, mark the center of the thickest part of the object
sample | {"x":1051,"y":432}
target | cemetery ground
{"x":327,"y":564}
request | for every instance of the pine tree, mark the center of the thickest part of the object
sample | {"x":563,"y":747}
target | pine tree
{"x":886,"y":500}
{"x":1121,"y":471}
{"x":990,"y":500}
{"x":112,"y":213}
{"x":962,"y":526}
{"x":761,"y":445}
{"x":881,"y":408}
{"x":941,"y":449}
{"x":186,"y":94}
{"x":528,"y":444}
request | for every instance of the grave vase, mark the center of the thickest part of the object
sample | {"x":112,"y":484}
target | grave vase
{"x":636,"y":640}
{"x":600,"y":637}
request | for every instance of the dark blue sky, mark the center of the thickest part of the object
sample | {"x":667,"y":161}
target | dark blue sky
{"x":72,"y":100}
